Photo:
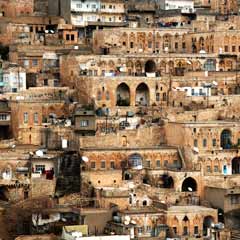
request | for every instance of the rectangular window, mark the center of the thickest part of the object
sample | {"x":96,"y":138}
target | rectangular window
{"x":176,"y":45}
{"x":195,"y":143}
{"x":149,"y":44}
{"x":165,"y":163}
{"x":25,"y":117}
{"x":208,"y":169}
{"x":72,"y":37}
{"x":157,"y":97}
{"x":131,"y":44}
{"x":214,"y":142}
{"x":103,"y":164}
{"x":84,"y":123}
{"x":45,"y":82}
{"x":158,"y":163}
{"x":195,"y":229}
{"x":26,"y":63}
{"x":204,"y":142}
{"x":93,"y":165}
{"x":3,"y":117}
{"x":112,"y":165}
{"x":185,"y":230}
{"x":233,"y":48}
{"x":35,"y":62}
{"x":226,"y":48}
{"x":216,"y":169}
{"x":148,"y":164}
{"x":36,"y":118}
{"x":175,"y":230}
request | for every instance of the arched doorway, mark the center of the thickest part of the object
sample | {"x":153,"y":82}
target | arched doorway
{"x":142,"y":95}
{"x":236,"y":165}
{"x":207,"y":222}
{"x":167,"y":181}
{"x":123,"y":95}
{"x":226,"y":139}
{"x":150,"y":66}
{"x":189,"y":185}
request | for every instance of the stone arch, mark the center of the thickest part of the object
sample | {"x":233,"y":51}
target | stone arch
{"x":226,"y":141}
{"x":189,"y":185}
{"x":123,"y":95}
{"x":142,"y":95}
{"x":236,"y":165}
{"x":150,"y":66}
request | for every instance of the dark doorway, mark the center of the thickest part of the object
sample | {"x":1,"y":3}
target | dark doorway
{"x":123,"y":95}
{"x":142,"y":95}
{"x":150,"y":66}
{"x":189,"y":185}
{"x":207,"y":222}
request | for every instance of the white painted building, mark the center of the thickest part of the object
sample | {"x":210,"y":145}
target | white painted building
{"x":14,"y":78}
{"x":186,"y":6}
{"x":86,"y":12}
{"x":195,"y":91}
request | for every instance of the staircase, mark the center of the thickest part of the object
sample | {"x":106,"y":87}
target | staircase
{"x":235,"y":235}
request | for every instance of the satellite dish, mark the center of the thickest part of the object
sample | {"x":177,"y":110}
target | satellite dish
{"x":190,"y":189}
{"x":85,"y":159}
{"x":214,"y":83}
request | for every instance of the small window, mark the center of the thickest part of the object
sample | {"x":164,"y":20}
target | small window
{"x":216,"y":169}
{"x":226,"y":48}
{"x":45,"y":82}
{"x":112,"y":165}
{"x":233,"y":48}
{"x":103,"y":164}
{"x":148,"y":164}
{"x":185,"y":230}
{"x":165,"y":163}
{"x":214,"y":142}
{"x":158,"y":163}
{"x":84,"y":123}
{"x":35,"y":62}
{"x":36,"y":118}
{"x":131,"y":45}
{"x":93,"y":165}
{"x":124,"y":43}
{"x":72,"y":37}
{"x":25,"y":117}
{"x":196,"y":230}
{"x":157,"y":97}
{"x":67,"y":37}
{"x":195,"y":143}
{"x":208,"y":169}
{"x":175,"y":230}
{"x":204,"y":142}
